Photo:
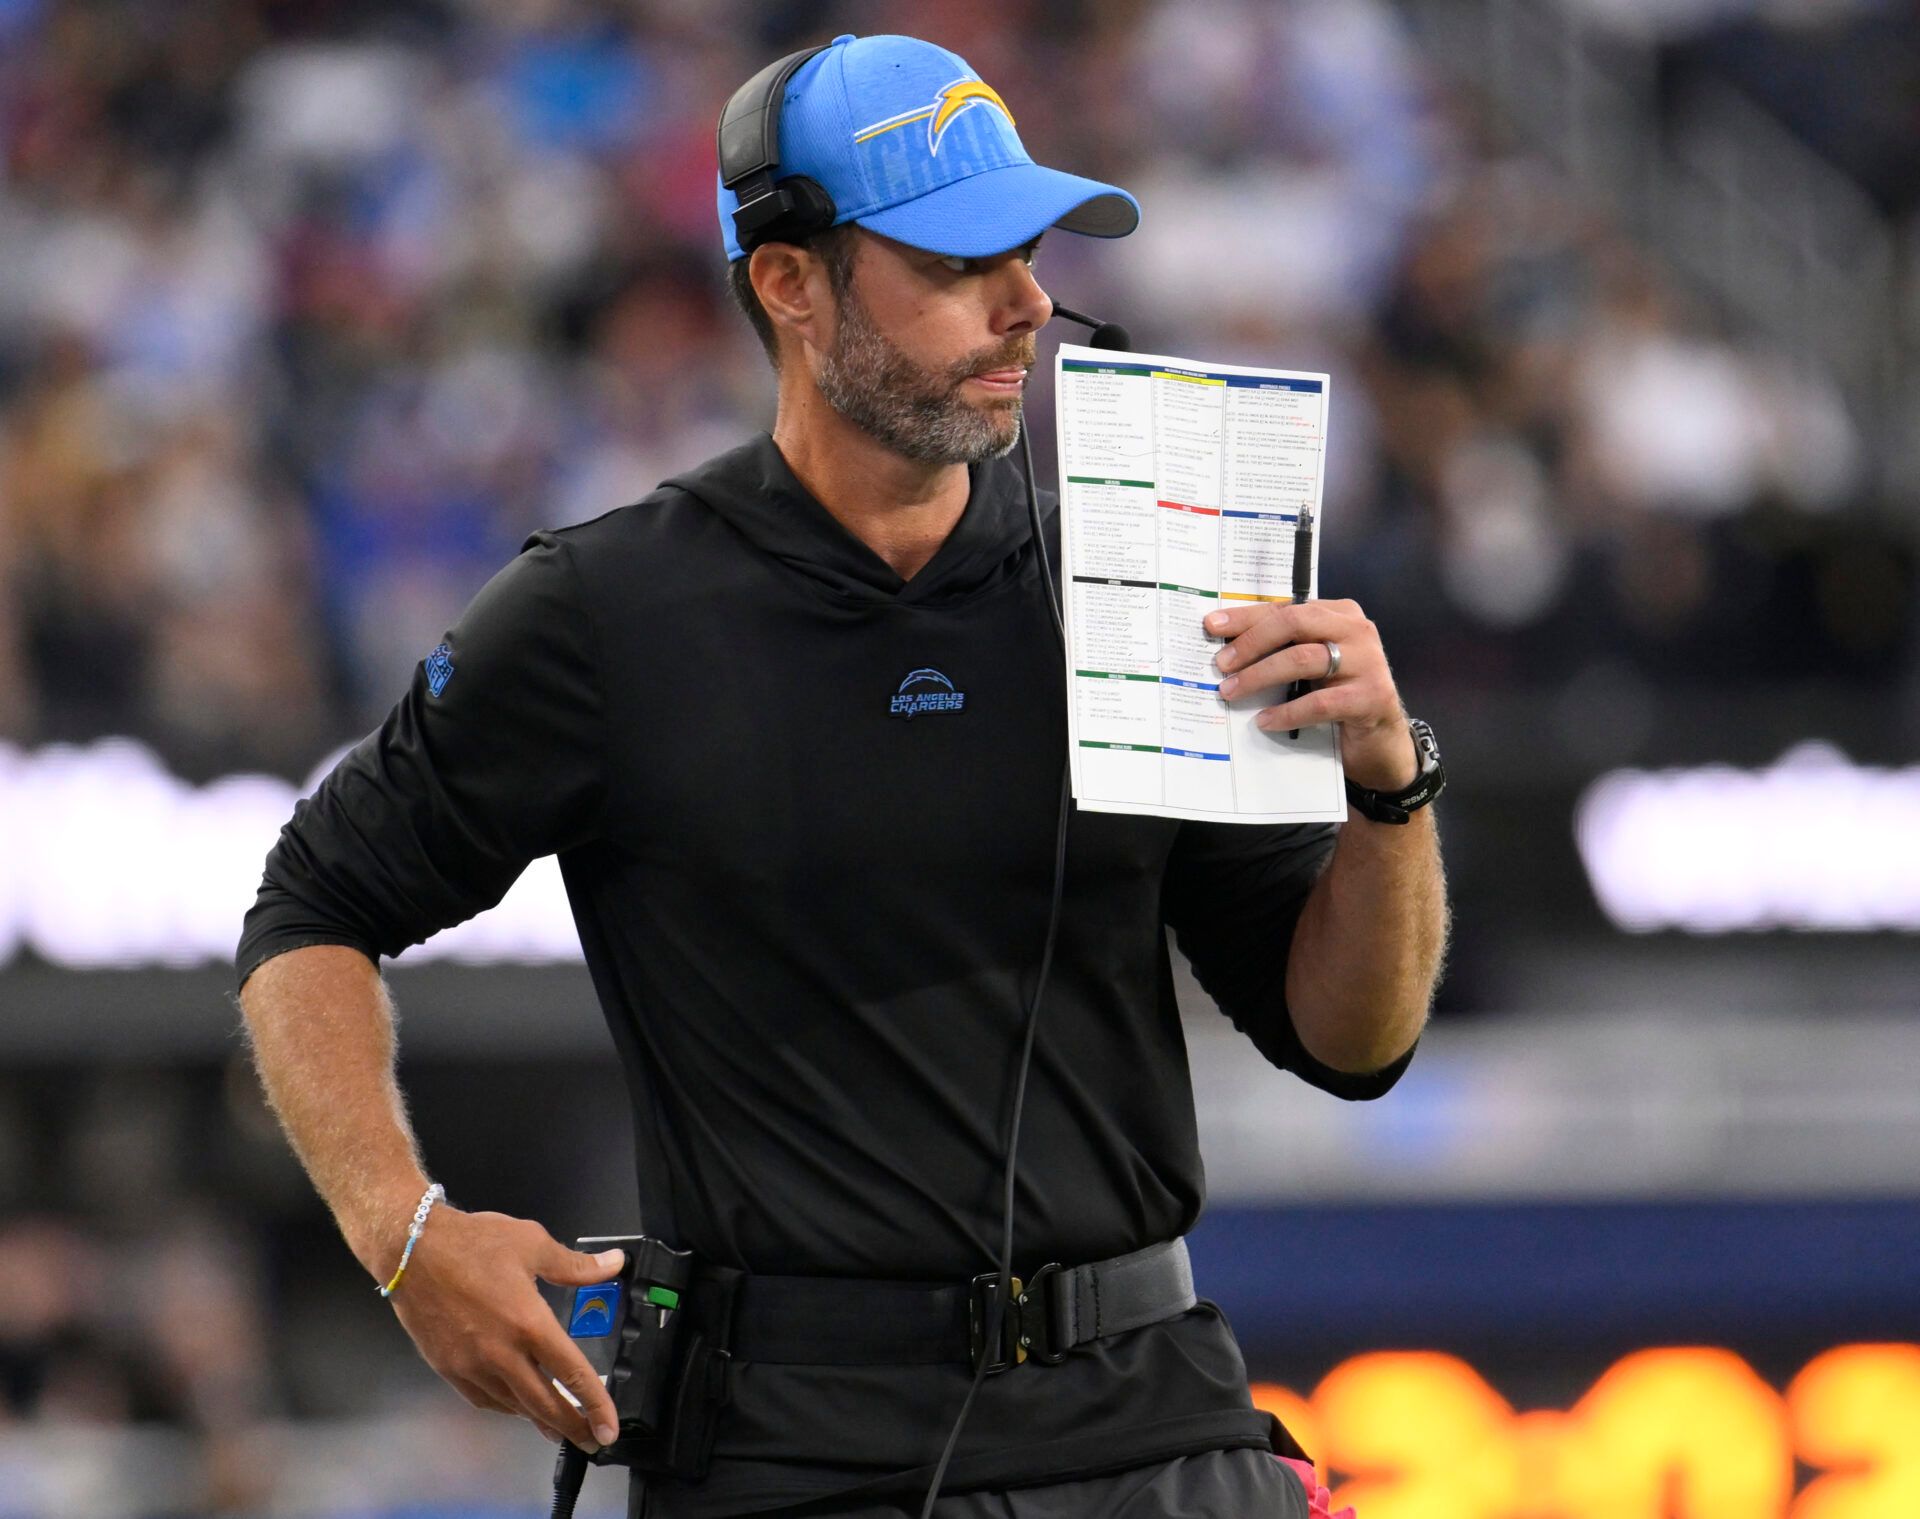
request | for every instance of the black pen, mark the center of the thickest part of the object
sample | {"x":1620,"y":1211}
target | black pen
{"x":1302,"y":585}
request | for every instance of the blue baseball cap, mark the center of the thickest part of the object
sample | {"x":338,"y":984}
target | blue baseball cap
{"x":914,"y":145}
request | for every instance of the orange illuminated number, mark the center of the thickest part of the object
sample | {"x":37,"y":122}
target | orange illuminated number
{"x":1858,"y":1408}
{"x":1421,"y":1435}
{"x":1680,"y":1434}
{"x":1685,"y":1433}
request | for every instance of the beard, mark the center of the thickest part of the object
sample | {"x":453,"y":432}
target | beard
{"x":917,"y":412}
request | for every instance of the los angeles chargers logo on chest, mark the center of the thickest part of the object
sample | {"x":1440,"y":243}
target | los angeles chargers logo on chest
{"x":925,"y":691}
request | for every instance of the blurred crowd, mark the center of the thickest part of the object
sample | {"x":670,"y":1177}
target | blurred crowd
{"x":182,"y":1331}
{"x":127,"y":1298}
{"x":310,"y":311}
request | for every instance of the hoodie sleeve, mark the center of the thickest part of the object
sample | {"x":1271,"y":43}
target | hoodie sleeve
{"x":491,"y":759}
{"x":1232,"y":897}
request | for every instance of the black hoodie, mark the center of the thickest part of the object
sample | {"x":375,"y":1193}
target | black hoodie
{"x":805,"y":812}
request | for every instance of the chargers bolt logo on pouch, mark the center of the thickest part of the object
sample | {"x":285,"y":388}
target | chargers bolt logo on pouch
{"x":439,"y":669}
{"x":961,"y":95}
{"x":594,"y":1311}
{"x":925,"y":691}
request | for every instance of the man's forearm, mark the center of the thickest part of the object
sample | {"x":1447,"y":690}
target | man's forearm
{"x":321,"y":1028}
{"x":322,"y":1031}
{"x":1368,"y":947}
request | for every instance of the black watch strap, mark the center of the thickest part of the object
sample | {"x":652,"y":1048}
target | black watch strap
{"x":1400,"y":806}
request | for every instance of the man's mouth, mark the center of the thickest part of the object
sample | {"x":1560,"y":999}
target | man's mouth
{"x":1005,"y":381}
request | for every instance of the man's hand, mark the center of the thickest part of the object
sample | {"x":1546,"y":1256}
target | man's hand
{"x":1272,"y":644}
{"x":469,"y":1301}
{"x":322,"y":1032}
{"x":1367,"y":947}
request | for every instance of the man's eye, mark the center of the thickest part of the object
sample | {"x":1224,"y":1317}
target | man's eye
{"x":961,"y":265}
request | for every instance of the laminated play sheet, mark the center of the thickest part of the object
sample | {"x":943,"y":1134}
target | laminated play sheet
{"x":1182,"y":489}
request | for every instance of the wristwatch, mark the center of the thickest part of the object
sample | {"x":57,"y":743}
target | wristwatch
{"x":1400,"y":806}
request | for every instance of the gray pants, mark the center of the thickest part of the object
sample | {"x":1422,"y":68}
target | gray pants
{"x":1216,"y":1484}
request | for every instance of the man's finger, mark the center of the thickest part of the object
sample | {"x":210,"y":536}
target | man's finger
{"x":1232,"y":621}
{"x":561,"y":1359}
{"x":575,"y":1268}
{"x":542,"y":1405}
{"x":1309,"y":622}
{"x":1299,"y":661}
{"x":482,"y":1395}
{"x":1329,"y":704}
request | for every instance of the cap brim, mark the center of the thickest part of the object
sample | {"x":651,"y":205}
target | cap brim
{"x":1004,"y":208}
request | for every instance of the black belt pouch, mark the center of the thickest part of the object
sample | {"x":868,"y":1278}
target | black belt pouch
{"x":682,"y":1447}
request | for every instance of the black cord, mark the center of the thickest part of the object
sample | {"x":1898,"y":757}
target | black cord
{"x":1003,"y":1289}
{"x":569,"y":1471}
{"x":1040,"y":540}
{"x":997,"y":1310}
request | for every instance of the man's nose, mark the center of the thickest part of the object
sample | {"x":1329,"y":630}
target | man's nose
{"x":1024,"y":306}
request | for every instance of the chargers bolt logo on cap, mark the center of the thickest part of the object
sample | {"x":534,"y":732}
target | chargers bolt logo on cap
{"x":954,"y":99}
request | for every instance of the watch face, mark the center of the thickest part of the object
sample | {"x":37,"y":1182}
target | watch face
{"x":1399,"y":806}
{"x":1423,"y":742}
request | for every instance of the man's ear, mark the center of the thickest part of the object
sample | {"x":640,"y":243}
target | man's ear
{"x":794,"y":291}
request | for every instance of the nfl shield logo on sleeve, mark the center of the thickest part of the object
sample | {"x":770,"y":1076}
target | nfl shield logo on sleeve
{"x":439,"y":669}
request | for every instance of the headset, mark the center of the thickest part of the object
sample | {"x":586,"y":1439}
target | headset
{"x":748,"y":147}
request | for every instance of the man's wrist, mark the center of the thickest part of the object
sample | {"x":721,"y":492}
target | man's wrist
{"x":1385,"y":761}
{"x":1399,"y":805}
{"x":377,"y":1232}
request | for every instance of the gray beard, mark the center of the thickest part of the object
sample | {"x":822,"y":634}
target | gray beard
{"x":916,"y":412}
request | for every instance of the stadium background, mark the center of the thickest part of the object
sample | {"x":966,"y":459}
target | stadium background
{"x":309,"y":312}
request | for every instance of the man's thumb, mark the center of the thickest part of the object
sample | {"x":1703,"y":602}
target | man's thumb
{"x":575,"y":1268}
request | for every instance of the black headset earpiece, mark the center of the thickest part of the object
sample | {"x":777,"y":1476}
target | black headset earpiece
{"x":748,"y":145}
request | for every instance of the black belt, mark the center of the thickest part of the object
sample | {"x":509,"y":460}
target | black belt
{"x":832,"y":1321}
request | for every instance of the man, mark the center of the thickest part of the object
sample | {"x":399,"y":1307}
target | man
{"x":813,"y":924}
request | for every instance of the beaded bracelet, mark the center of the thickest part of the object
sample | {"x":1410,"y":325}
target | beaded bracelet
{"x":434,"y":1194}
